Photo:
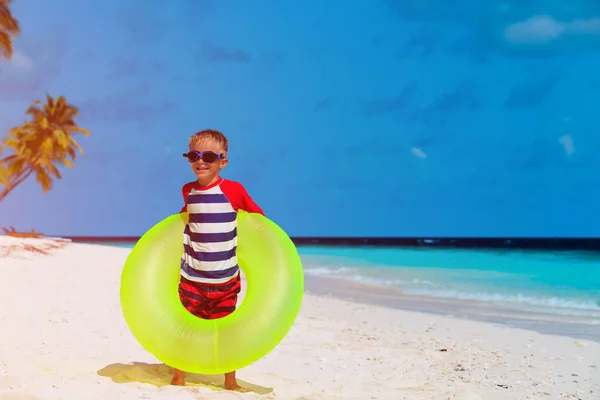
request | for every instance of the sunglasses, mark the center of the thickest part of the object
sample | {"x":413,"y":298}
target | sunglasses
{"x":207,"y":156}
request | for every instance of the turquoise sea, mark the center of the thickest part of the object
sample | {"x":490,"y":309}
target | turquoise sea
{"x":557,"y":292}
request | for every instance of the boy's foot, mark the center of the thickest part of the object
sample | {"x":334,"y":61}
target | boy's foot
{"x":178,"y":381}
{"x":235,"y":387}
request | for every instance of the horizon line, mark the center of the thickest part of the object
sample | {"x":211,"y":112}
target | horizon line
{"x":550,"y":243}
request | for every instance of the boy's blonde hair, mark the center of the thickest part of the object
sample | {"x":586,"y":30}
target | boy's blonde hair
{"x":212,"y":135}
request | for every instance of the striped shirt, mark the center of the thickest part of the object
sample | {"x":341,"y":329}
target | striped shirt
{"x":210,"y":236}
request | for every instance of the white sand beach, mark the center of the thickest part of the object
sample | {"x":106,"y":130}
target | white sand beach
{"x":62,"y":336}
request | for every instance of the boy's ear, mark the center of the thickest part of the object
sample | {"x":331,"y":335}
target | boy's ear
{"x":224,"y":162}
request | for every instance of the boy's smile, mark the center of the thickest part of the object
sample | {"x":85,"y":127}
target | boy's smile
{"x":200,"y":169}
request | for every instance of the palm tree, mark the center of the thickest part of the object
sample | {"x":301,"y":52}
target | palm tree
{"x":40,"y":144}
{"x":9,"y":28}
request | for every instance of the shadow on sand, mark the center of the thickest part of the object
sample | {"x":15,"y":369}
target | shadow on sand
{"x":160,"y":375}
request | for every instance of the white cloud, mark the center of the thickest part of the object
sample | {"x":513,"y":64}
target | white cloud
{"x":567,"y":143}
{"x":544,"y":28}
{"x":585,"y":26}
{"x":417,"y":152}
{"x":21,"y":61}
{"x":538,"y":29}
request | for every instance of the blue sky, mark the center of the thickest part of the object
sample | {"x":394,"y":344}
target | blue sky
{"x":379,"y":118}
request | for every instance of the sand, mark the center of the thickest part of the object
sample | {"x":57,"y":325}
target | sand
{"x":62,"y":336}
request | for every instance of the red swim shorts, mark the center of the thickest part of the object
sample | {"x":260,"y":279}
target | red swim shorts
{"x":209,"y":300}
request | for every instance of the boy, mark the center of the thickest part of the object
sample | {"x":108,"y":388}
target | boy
{"x":210,"y":277}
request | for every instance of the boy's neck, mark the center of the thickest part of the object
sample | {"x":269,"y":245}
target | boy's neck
{"x":203,"y":185}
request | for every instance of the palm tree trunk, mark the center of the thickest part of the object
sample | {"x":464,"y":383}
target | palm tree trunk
{"x":9,"y":188}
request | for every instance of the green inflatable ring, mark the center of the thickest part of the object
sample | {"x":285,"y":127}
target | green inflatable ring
{"x":159,"y":322}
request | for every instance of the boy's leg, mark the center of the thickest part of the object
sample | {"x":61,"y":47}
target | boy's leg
{"x":196,"y":305}
{"x":230,"y":381}
{"x":178,"y":378}
{"x":225,"y":306}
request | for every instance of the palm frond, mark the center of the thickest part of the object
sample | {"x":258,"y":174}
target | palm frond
{"x":9,"y":28}
{"x":42,"y":144}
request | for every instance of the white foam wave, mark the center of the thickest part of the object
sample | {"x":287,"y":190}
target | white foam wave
{"x":551,"y":302}
{"x":424,"y":287}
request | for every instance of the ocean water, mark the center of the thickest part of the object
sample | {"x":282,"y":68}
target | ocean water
{"x":563,"y":287}
{"x":561,"y":283}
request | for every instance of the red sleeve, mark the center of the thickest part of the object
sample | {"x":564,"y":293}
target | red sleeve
{"x":239,"y":198}
{"x":185,"y":191}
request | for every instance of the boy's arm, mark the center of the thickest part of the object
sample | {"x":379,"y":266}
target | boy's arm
{"x":185,"y":191}
{"x":239,"y":197}
{"x":250,"y":206}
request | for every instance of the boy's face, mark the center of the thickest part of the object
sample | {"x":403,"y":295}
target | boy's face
{"x":206,"y":172}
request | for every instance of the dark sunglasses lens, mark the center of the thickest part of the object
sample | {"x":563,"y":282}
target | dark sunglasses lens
{"x":209,"y":157}
{"x":193,"y":156}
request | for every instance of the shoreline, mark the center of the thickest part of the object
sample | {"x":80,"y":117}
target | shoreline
{"x":468,"y":310}
{"x":394,"y":298}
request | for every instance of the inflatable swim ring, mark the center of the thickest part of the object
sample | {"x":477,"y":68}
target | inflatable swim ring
{"x":159,"y":322}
